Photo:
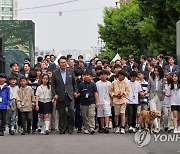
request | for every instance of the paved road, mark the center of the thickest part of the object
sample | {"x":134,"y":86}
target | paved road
{"x":82,"y":144}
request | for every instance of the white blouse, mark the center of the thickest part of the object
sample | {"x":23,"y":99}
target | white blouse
{"x":45,"y":94}
{"x":174,"y":95}
{"x":134,"y":89}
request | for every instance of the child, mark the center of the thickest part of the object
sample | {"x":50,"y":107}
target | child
{"x":174,"y":94}
{"x":134,"y":90}
{"x":118,"y":90}
{"x":78,"y":114}
{"x":105,"y":103}
{"x":12,"y":113}
{"x":54,"y":111}
{"x":44,"y":103}
{"x":33,"y":83}
{"x":4,"y":102}
{"x":143,"y":100}
{"x":167,"y":114}
{"x":25,"y":104}
{"x":89,"y":100}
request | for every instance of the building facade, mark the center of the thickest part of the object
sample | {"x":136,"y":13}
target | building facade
{"x":8,"y":9}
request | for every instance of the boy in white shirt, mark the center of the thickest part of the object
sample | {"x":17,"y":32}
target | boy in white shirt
{"x":134,"y":90}
{"x":105,"y":102}
{"x":12,"y":113}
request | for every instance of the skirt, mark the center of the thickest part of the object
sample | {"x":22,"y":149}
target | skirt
{"x":45,"y":108}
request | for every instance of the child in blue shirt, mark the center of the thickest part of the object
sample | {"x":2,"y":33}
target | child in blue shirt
{"x":4,"y":102}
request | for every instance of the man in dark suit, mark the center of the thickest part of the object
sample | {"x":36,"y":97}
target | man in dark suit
{"x":26,"y":69}
{"x":131,"y":62}
{"x":161,"y":61}
{"x":171,"y":67}
{"x":143,"y":63}
{"x":64,"y":89}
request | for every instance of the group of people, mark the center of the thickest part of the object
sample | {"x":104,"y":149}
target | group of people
{"x":101,"y":95}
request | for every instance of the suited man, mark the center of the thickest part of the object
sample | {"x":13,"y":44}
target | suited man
{"x":63,"y":89}
{"x":171,"y":67}
{"x":124,"y":65}
{"x":26,"y":69}
{"x":143,"y":64}
{"x":131,"y":62}
{"x":161,"y":61}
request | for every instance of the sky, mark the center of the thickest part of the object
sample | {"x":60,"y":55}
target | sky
{"x":72,"y":30}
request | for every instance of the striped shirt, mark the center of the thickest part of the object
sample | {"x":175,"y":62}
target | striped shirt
{"x":144,"y":99}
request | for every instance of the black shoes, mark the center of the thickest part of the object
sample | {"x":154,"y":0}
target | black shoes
{"x":47,"y":132}
{"x":12,"y":132}
{"x":62,"y":132}
{"x":23,"y":133}
{"x":106,"y":130}
{"x":70,"y":131}
{"x":101,"y":130}
{"x":79,"y":131}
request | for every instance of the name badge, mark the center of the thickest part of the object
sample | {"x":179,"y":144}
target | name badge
{"x":0,"y":99}
{"x":134,"y":97}
{"x":87,"y":95}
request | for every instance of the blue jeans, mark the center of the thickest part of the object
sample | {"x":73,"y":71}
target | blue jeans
{"x":12,"y":118}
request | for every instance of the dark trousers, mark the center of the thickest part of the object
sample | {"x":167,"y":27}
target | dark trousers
{"x":35,"y":119}
{"x":19,"y":119}
{"x":131,"y":113}
{"x":78,"y":117}
{"x":66,"y":114}
{"x":26,"y":118}
{"x":2,"y":120}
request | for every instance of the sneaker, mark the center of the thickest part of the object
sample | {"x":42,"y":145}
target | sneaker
{"x":19,"y":129}
{"x":117,"y":130}
{"x":42,"y":131}
{"x":175,"y":131}
{"x":178,"y":128}
{"x":122,"y":131}
{"x":134,"y":130}
{"x":106,"y":130}
{"x":79,"y":131}
{"x":86,"y":131}
{"x":23,"y":133}
{"x":101,"y":130}
{"x":46,"y":132}
{"x":92,"y":131}
{"x":130,"y":129}
{"x":156,"y":131}
{"x":12,"y":132}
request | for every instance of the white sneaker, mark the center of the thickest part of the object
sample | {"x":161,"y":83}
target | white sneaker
{"x":178,"y":128}
{"x":130,"y":129}
{"x":175,"y":131}
{"x":42,"y":131}
{"x":117,"y":130}
{"x":134,"y":130}
{"x":122,"y":131}
{"x":156,"y":131}
{"x":86,"y":131}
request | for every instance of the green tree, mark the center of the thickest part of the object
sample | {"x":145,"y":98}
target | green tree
{"x":141,"y":27}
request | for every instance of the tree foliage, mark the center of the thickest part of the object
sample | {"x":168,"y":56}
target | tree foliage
{"x":141,"y":27}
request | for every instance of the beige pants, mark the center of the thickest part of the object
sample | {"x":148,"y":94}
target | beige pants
{"x":88,"y":114}
{"x":54,"y":118}
{"x":156,"y":104}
